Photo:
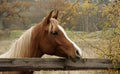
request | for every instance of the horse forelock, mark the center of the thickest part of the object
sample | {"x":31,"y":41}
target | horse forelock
{"x":53,"y":25}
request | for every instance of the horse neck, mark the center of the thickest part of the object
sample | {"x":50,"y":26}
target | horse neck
{"x":21,"y":47}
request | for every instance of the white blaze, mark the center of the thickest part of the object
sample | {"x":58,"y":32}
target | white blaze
{"x":77,"y":48}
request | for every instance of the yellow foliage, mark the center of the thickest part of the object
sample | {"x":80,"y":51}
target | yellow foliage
{"x":89,"y":8}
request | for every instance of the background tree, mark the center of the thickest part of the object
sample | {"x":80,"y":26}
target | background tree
{"x":81,"y":15}
{"x":11,"y":11}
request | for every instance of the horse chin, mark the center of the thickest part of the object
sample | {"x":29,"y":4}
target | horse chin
{"x":74,"y":59}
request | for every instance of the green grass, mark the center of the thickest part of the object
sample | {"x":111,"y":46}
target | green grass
{"x":106,"y":34}
{"x":72,"y":34}
{"x":15,"y":34}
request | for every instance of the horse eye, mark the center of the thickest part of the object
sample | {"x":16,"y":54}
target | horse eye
{"x":54,"y":33}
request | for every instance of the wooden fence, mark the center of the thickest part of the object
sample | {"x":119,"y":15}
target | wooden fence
{"x":37,"y":64}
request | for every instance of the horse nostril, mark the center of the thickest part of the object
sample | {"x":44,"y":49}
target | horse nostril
{"x":77,"y":53}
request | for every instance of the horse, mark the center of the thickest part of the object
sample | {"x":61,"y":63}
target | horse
{"x":47,"y":37}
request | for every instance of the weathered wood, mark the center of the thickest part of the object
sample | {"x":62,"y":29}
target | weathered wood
{"x":36,"y":64}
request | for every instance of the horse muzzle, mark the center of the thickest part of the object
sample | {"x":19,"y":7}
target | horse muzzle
{"x":77,"y":57}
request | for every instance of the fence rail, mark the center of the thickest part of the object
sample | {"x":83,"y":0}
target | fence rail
{"x":36,"y":64}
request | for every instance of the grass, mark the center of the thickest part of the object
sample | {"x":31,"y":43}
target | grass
{"x":12,"y":35}
{"x":15,"y":34}
{"x":72,"y":34}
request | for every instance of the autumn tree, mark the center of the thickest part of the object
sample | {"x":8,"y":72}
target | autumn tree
{"x":11,"y":11}
{"x":81,"y":16}
{"x":111,"y":33}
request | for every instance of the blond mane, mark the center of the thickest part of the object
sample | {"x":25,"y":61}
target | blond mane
{"x":21,"y":47}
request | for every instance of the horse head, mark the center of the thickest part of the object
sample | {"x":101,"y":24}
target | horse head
{"x":50,"y":38}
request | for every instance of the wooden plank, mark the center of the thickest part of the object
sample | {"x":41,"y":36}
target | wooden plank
{"x":36,"y":64}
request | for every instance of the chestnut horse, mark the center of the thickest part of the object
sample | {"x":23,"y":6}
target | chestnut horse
{"x":48,"y":37}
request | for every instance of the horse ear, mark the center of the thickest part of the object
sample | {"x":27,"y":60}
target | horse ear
{"x":47,"y":19}
{"x":56,"y":15}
